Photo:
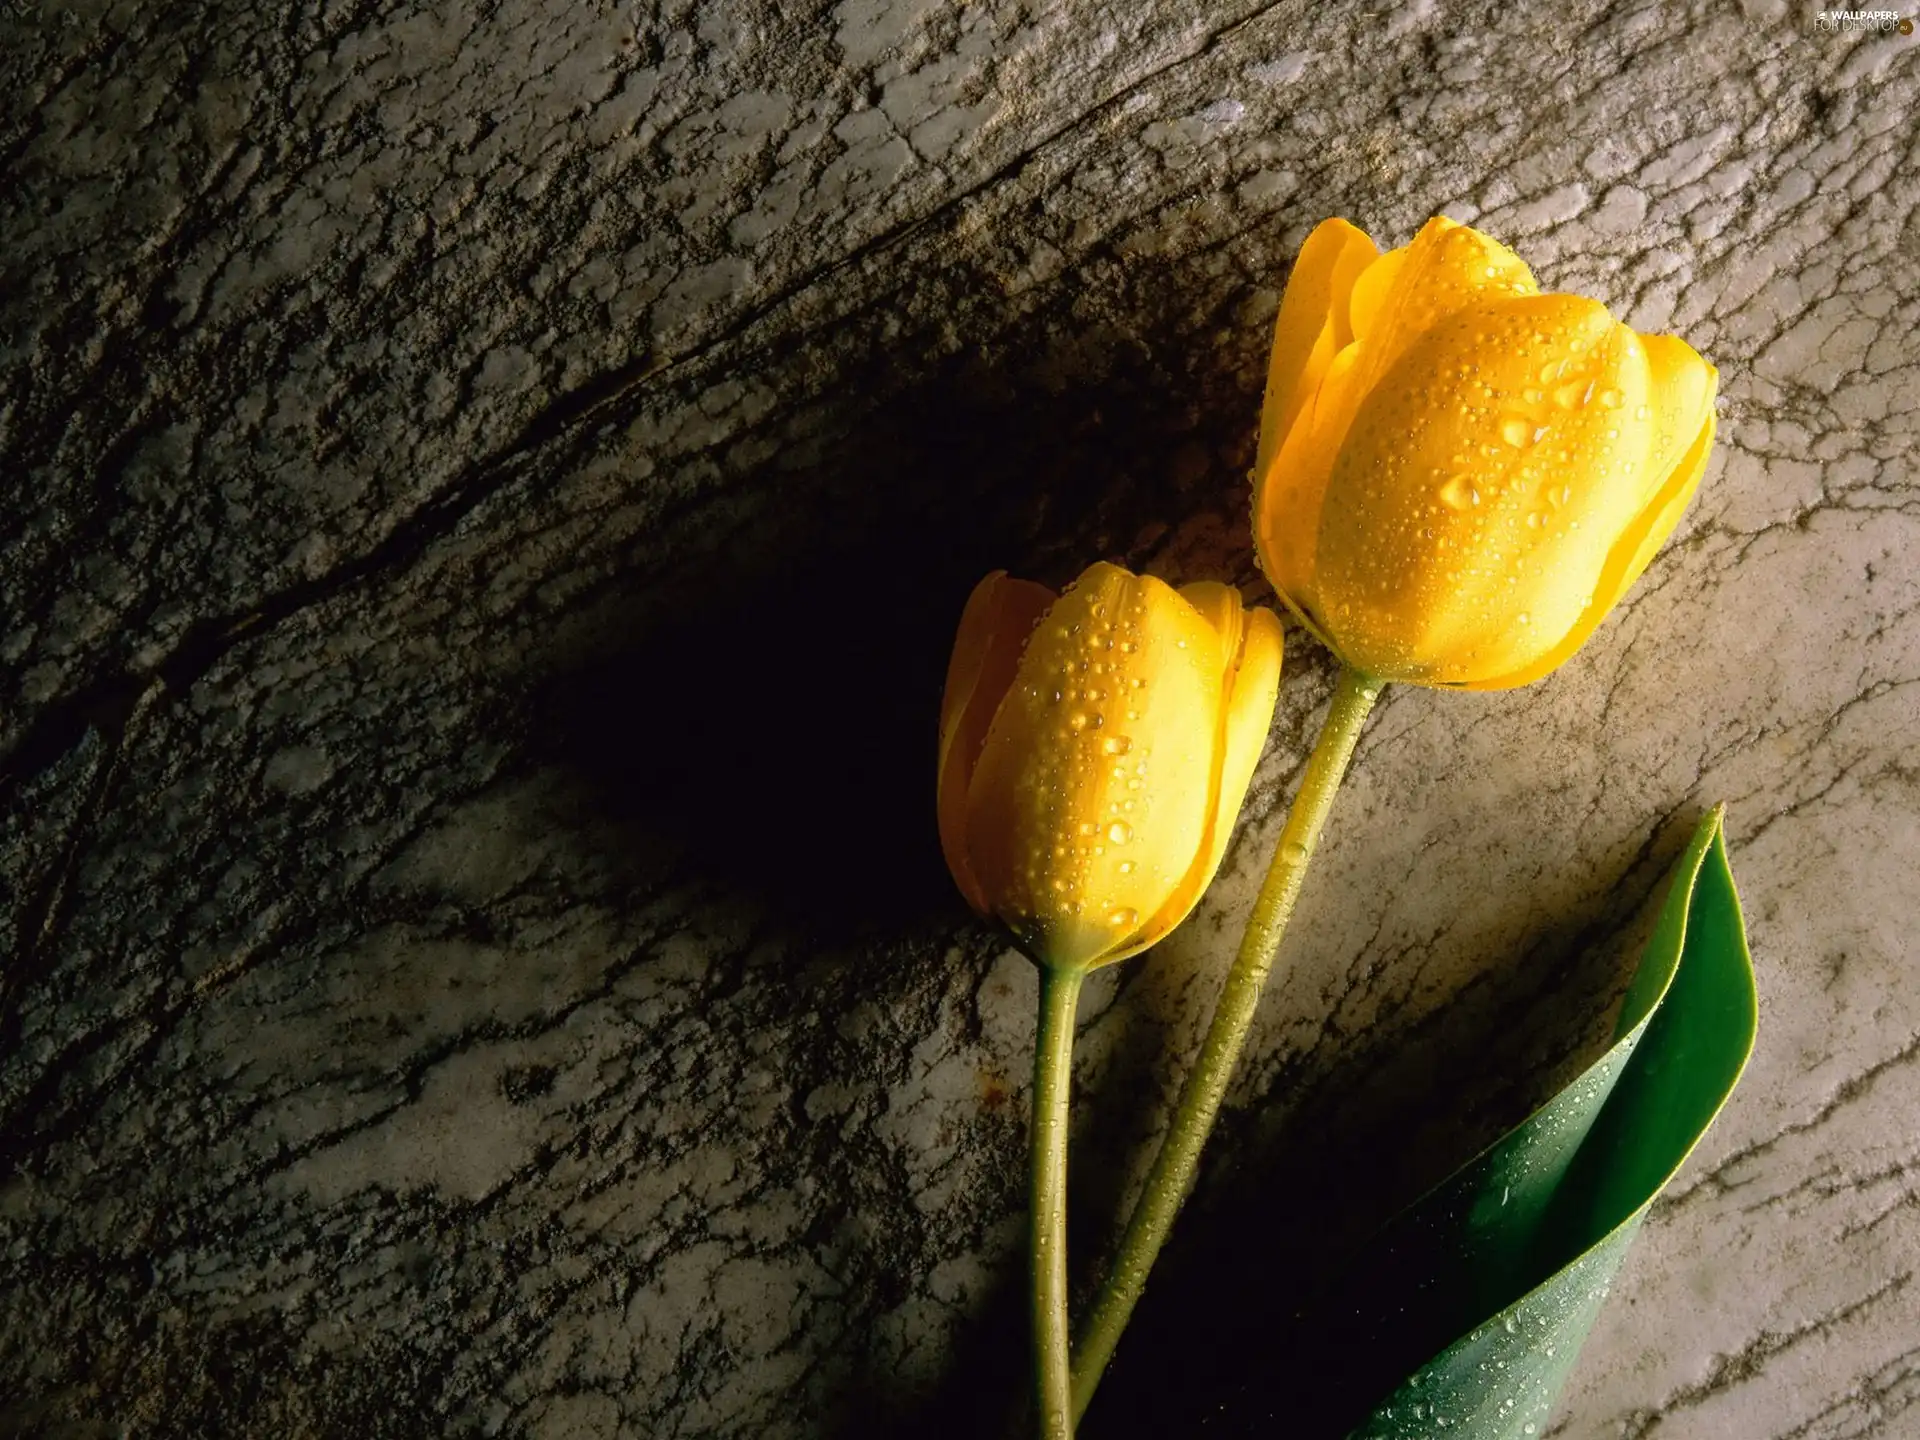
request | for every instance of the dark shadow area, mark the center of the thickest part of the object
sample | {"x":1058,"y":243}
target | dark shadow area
{"x":779,"y":724}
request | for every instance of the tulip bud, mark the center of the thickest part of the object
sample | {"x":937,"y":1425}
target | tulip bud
{"x":1458,"y":476}
{"x":1094,"y":752}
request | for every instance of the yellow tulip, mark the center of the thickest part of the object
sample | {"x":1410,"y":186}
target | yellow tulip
{"x":1458,"y":476}
{"x":1094,"y":753}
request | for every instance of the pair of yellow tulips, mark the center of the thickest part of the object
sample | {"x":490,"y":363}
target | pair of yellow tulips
{"x":1458,"y":477}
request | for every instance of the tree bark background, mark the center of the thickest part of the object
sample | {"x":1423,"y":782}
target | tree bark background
{"x":489,"y":489}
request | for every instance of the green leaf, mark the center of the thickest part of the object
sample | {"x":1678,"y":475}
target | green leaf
{"x":1514,"y":1253}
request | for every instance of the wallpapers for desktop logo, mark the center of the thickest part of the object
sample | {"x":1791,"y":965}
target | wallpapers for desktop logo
{"x":1836,"y":22}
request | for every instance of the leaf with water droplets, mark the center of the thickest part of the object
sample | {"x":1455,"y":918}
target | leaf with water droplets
{"x":1470,"y":1306}
{"x":1522,"y":1244}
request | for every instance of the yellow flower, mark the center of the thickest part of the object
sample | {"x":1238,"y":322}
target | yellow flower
{"x":1459,"y":476}
{"x":1094,"y":751}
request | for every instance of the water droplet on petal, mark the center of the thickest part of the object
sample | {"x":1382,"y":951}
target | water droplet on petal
{"x":1514,"y":430}
{"x":1294,"y":851}
{"x":1125,"y":917}
{"x":1459,"y":493}
{"x":1119,"y":832}
{"x":1078,"y":720}
{"x":1612,"y":398}
{"x":1573,"y":394}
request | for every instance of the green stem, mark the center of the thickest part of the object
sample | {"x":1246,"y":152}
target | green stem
{"x":1172,"y":1173}
{"x":1052,"y":1089}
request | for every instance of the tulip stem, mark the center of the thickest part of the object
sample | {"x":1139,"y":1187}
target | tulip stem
{"x":1206,"y":1086}
{"x":1052,"y":1090}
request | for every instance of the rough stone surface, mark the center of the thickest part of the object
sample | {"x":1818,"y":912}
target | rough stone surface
{"x":488,"y":493}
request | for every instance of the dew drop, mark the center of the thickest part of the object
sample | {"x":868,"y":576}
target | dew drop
{"x":1460,"y":493}
{"x":1124,"y":917}
{"x":1058,"y":696}
{"x":1078,"y":720}
{"x":1117,"y":744}
{"x":1514,"y":430}
{"x":1294,"y":851}
{"x":1126,"y":867}
{"x":1087,"y":827}
{"x":1573,"y":394}
{"x":1612,"y":398}
{"x":1119,"y":832}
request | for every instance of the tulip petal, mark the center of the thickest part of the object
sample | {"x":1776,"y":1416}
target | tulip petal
{"x":1683,"y":390}
{"x":1220,"y":606}
{"x":1000,"y":614}
{"x":1641,"y":540}
{"x":1394,"y":300}
{"x":1288,"y":501}
{"x":1447,"y":268}
{"x":1636,"y":551}
{"x":1249,"y":686}
{"x":1370,"y":290}
{"x":1477,"y":498}
{"x":1310,"y":327}
{"x":1086,"y":811}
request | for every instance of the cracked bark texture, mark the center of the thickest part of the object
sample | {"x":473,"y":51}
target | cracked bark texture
{"x":489,"y":492}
